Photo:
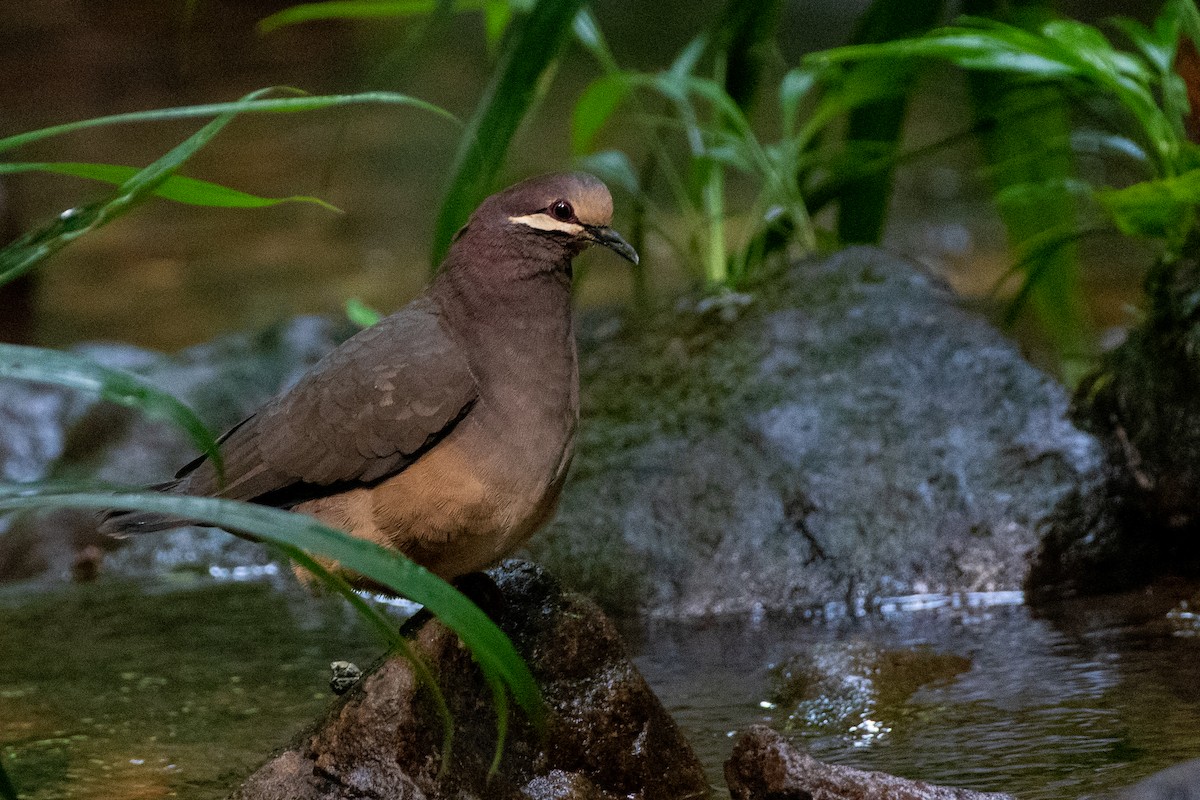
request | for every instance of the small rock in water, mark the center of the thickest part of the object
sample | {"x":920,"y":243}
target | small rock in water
{"x":344,"y":676}
{"x":764,"y":766}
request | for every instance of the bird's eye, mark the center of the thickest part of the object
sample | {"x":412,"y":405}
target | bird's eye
{"x":561,"y":210}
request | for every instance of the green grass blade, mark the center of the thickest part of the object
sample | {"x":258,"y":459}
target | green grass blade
{"x":7,"y":790}
{"x":490,"y":647}
{"x":500,"y":704}
{"x":390,"y":634}
{"x":360,"y":9}
{"x":176,"y":187}
{"x":588,"y":33}
{"x":863,"y":205}
{"x":77,"y":372}
{"x":279,"y":105}
{"x":25,"y":253}
{"x":528,"y":56}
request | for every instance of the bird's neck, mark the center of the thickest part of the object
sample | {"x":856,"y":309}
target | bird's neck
{"x":517,"y":317}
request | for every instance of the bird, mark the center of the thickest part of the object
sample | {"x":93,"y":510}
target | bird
{"x":445,"y":430}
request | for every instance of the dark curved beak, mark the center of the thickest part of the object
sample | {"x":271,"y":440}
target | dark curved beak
{"x":602,"y":234}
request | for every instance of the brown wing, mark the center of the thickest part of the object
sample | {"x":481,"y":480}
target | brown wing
{"x":364,"y":412}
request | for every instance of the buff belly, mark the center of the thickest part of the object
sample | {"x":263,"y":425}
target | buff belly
{"x":450,"y":515}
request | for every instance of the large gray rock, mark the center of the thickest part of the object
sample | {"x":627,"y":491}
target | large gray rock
{"x":607,"y":736}
{"x":852,"y":432}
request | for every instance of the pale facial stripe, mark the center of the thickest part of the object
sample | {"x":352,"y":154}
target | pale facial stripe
{"x":545,"y":222}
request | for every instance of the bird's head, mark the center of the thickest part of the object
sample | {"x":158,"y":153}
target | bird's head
{"x":553,"y":216}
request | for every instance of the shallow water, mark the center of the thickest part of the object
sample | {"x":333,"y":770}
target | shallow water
{"x":1085,"y":697}
{"x":115,"y":690}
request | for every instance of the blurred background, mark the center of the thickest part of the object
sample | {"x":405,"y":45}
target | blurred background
{"x":171,"y":275}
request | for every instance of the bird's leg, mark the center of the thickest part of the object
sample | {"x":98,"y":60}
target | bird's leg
{"x":481,"y":590}
{"x":478,"y":587}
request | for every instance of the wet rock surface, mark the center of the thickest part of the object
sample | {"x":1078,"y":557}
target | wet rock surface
{"x":1181,"y":782}
{"x":852,"y":432}
{"x":764,"y":766}
{"x":608,"y":737}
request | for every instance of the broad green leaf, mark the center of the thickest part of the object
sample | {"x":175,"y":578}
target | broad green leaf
{"x":176,"y":187}
{"x":497,"y":14}
{"x":361,"y":9}
{"x":1093,"y":141}
{"x":77,"y":372}
{"x":491,"y":648}
{"x":251,"y":104}
{"x":1158,"y":209}
{"x":1160,"y":52}
{"x":529,"y":55}
{"x":361,"y":314}
{"x":1032,"y":175}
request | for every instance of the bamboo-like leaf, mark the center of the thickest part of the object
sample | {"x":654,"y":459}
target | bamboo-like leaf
{"x":528,"y":57}
{"x":77,"y":372}
{"x":34,"y":247}
{"x":176,"y":187}
{"x":588,"y":33}
{"x":491,"y":648}
{"x":367,"y":9}
{"x":252,"y":104}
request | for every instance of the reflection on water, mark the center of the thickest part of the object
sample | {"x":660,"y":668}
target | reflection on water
{"x":120,"y":691}
{"x":107,"y":691}
{"x":1091,"y":697}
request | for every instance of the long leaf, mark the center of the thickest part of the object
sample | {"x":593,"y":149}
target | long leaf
{"x":362,"y":9}
{"x":863,"y":206}
{"x":389,"y":633}
{"x":32,"y":248}
{"x":744,"y":38}
{"x":280,"y":105}
{"x":490,"y":647}
{"x":77,"y":372}
{"x":527,"y":58}
{"x":176,"y":187}
{"x":1033,"y":114}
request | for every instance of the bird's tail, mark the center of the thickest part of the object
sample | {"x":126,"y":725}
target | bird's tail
{"x":124,"y":523}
